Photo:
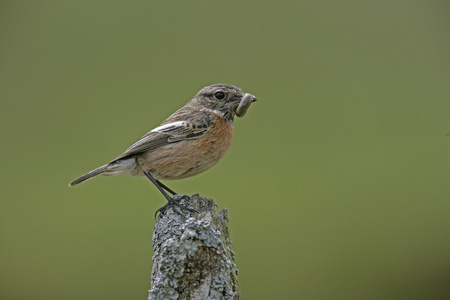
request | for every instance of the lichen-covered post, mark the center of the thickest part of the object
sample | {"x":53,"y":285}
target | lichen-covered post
{"x":193,"y":256}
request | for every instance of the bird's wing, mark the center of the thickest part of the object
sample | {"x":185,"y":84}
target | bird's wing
{"x":167,"y":133}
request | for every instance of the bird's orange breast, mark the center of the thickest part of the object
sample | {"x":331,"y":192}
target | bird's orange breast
{"x":191,"y":157}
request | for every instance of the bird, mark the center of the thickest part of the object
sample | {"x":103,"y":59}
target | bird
{"x":187,"y":143}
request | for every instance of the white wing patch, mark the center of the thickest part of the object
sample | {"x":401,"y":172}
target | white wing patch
{"x":170,"y":126}
{"x":160,"y":129}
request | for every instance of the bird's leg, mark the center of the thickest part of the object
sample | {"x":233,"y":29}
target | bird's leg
{"x":170,"y":200}
{"x":166,"y":187}
{"x":170,"y":191}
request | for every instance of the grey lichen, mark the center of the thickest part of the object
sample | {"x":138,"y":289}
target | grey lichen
{"x":193,"y":257}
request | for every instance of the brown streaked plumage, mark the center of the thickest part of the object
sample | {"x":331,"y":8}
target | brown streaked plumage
{"x":188,"y":142}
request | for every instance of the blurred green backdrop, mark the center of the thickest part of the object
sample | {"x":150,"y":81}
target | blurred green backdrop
{"x":337,"y":181}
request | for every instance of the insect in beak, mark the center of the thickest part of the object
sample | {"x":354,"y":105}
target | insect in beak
{"x":246,"y":100}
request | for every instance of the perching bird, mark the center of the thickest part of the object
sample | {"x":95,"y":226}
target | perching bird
{"x":190,"y":141}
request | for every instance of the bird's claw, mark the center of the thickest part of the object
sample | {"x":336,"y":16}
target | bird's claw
{"x":173,"y":202}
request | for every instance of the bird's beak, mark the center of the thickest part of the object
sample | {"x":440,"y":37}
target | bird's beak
{"x":246,"y":95}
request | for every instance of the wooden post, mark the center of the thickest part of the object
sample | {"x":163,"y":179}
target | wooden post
{"x":193,"y":254}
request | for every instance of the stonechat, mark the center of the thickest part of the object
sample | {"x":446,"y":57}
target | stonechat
{"x":187,"y":143}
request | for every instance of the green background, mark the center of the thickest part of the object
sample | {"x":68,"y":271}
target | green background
{"x":337,"y":181}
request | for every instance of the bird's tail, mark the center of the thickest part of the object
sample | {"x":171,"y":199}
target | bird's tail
{"x":89,"y":175}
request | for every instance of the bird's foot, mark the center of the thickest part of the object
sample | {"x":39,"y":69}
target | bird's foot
{"x":173,"y":203}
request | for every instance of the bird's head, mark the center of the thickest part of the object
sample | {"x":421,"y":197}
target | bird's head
{"x":224,"y":99}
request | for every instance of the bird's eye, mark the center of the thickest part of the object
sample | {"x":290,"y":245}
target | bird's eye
{"x":219,"y":95}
